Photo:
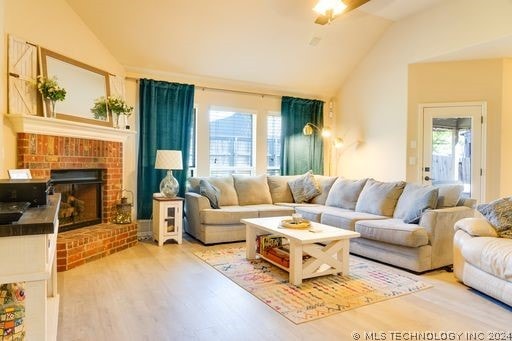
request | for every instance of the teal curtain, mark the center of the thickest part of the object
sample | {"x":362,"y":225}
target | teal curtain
{"x":301,"y":153}
{"x":165,"y":117}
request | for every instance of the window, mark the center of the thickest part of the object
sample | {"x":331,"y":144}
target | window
{"x":273,"y":144}
{"x":231,"y":143}
{"x":192,"y":146}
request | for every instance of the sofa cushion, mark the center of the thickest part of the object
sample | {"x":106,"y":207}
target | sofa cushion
{"x":225,"y":185}
{"x":210,"y":192}
{"x":392,"y":231}
{"x":294,"y":204}
{"x":492,"y":255}
{"x":304,"y":188}
{"x":312,"y":213}
{"x":379,"y":198}
{"x":252,"y":190}
{"x":345,"y":219}
{"x":499,"y":215}
{"x":227,"y":215}
{"x":279,"y":189}
{"x":268,"y":210}
{"x":449,"y":195}
{"x":415,"y":199}
{"x":325,"y":183}
{"x":344,"y":193}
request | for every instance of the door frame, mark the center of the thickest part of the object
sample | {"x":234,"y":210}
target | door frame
{"x":483,"y":159}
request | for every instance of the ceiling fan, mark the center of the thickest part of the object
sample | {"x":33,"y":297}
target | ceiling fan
{"x":328,"y":10}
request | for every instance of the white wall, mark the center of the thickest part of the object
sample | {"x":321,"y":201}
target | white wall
{"x":372,"y":104}
{"x":459,"y":81}
{"x":3,"y":88}
{"x":54,"y":25}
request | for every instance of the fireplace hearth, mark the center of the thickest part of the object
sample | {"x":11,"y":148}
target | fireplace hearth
{"x":81,"y":192}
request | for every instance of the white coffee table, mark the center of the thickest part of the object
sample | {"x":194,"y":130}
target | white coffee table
{"x":325,"y":260}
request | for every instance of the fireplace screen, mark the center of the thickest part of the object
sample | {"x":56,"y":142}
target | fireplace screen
{"x":81,"y":202}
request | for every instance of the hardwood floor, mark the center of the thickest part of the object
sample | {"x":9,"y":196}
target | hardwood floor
{"x":166,"y":293}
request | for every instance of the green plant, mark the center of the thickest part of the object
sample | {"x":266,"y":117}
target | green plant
{"x":115,"y":105}
{"x":99,"y":108}
{"x":50,"y":89}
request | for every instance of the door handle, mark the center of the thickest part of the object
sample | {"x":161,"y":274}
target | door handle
{"x":428,"y":178}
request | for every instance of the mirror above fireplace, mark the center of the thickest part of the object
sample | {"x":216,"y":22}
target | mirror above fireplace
{"x":83,"y":83}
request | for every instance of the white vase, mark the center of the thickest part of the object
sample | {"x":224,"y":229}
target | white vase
{"x":51,"y":109}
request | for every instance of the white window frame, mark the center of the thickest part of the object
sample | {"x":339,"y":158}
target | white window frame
{"x":270,"y":114}
{"x":235,"y":169}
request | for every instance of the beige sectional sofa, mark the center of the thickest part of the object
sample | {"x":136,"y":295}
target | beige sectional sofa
{"x":482,"y":260}
{"x":369,"y":207}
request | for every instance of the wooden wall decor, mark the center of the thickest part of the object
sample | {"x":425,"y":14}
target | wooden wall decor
{"x":22,"y":60}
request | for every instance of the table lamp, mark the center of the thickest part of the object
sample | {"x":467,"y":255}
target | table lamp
{"x":169,"y":159}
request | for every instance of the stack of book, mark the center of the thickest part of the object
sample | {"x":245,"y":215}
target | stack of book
{"x":275,"y":249}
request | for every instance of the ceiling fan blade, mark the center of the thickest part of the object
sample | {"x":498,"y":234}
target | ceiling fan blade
{"x":322,"y":20}
{"x":351,"y":5}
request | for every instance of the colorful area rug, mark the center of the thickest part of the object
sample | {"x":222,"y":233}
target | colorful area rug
{"x":318,"y":297}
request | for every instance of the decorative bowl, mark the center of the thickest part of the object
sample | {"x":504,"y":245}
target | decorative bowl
{"x":291,"y":224}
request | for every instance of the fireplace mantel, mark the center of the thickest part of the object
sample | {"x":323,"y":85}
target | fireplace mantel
{"x":53,"y":126}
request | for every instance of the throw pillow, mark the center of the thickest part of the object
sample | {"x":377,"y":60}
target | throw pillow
{"x":379,"y":198}
{"x":252,"y":190}
{"x":344,"y":193}
{"x":415,"y":200}
{"x":304,"y":188}
{"x":211,"y":192}
{"x":325,"y":183}
{"x":499,"y":215}
{"x":449,"y":195}
{"x":279,"y":189}
{"x":226,"y":187}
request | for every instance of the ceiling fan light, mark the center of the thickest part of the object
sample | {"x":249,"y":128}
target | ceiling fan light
{"x":340,"y":7}
{"x":335,"y":6}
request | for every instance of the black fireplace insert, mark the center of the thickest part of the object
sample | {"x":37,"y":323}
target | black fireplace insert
{"x":82,"y":200}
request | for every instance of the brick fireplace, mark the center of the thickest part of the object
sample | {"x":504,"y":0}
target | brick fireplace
{"x":43,"y":154}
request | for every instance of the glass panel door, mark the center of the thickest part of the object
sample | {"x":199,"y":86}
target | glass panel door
{"x":451,"y":155}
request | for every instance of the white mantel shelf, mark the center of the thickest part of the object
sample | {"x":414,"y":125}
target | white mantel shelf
{"x":54,"y":126}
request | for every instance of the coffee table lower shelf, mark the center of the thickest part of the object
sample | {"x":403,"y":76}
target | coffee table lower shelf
{"x":322,"y":270}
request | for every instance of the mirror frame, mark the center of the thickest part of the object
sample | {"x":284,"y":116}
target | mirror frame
{"x":45,"y":53}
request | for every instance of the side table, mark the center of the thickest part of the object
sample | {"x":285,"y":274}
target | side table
{"x":167,"y":219}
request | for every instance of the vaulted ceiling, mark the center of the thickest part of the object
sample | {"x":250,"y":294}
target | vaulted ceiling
{"x":271,"y":43}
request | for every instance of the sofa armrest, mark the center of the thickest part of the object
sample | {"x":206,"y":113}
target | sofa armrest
{"x":476,"y":227}
{"x":194,"y":204}
{"x":439,"y":225}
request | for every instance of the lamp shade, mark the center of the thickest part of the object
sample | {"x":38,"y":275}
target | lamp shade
{"x":168,"y":159}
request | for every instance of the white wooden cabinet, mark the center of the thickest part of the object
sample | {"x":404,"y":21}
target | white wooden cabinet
{"x":31,"y":258}
{"x":167,"y":219}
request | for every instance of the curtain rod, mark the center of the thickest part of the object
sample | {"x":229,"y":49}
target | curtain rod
{"x":226,"y":90}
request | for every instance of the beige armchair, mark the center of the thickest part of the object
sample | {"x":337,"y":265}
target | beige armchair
{"x":481,"y":260}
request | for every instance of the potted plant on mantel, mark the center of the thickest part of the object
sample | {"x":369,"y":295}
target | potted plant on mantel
{"x":117,"y":106}
{"x":50,"y":90}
